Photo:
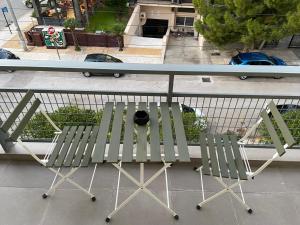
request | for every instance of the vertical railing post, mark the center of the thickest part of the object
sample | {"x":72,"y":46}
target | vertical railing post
{"x":170,"y":89}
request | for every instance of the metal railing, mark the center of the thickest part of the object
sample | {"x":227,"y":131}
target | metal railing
{"x":213,"y":113}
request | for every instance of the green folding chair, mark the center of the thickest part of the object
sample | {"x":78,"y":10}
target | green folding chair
{"x":224,"y":157}
{"x":69,"y":140}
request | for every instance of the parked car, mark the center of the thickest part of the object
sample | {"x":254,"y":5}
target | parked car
{"x":28,"y":3}
{"x":287,"y":107}
{"x":256,"y":58}
{"x":101,"y":58}
{"x":4,"y":54}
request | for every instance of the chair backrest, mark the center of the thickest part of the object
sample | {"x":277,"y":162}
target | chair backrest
{"x":5,"y":136}
{"x":277,"y":118}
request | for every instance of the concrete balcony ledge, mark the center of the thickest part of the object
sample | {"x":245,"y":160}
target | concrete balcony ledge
{"x":253,"y":154}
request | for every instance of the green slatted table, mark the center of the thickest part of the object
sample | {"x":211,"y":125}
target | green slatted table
{"x":161,"y":140}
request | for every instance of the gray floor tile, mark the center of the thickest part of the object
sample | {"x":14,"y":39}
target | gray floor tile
{"x":21,"y":206}
{"x":184,"y":178}
{"x":274,"y":196}
{"x":26,"y":174}
{"x":291,"y":177}
{"x":142,"y":210}
{"x":272,"y":208}
{"x":134,"y":169}
{"x":269,"y":180}
{"x":105,"y":176}
{"x":71,"y":207}
{"x":219,"y":211}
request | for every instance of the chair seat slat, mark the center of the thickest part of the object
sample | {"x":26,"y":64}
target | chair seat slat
{"x":204,"y":154}
{"x":230,"y":158}
{"x":213,"y":155}
{"x":62,"y":154}
{"x":221,"y":157}
{"x":89,"y":149}
{"x":238,"y":158}
{"x":58,"y":146}
{"x":69,"y":158}
{"x":82,"y":147}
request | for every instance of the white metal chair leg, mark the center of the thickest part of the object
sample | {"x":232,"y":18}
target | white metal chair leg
{"x":66,"y":178}
{"x":142,"y":187}
{"x":202,"y":184}
{"x":58,"y":183}
{"x":225,"y":190}
{"x":118,"y":186}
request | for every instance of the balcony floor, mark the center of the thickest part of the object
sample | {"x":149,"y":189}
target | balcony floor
{"x":274,"y":196}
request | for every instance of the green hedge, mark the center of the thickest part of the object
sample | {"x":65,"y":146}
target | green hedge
{"x":40,"y":128}
{"x":292,"y":119}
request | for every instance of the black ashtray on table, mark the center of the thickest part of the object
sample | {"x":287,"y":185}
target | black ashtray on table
{"x":141,"y":117}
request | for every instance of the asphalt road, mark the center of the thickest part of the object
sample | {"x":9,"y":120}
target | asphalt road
{"x":150,"y":83}
{"x":19,"y":8}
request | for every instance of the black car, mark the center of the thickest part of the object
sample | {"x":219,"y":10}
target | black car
{"x":4,"y":54}
{"x":101,"y":58}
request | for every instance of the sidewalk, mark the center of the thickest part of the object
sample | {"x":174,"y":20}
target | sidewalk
{"x":11,"y":42}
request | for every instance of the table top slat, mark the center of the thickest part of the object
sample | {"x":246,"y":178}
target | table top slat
{"x":88,"y":152}
{"x":229,"y":157}
{"x":75,"y":143}
{"x":154,"y":133}
{"x":98,"y":154}
{"x":61,"y":157}
{"x":141,"y":151}
{"x":127,"y":154}
{"x":182,"y":146}
{"x":58,"y":146}
{"x":167,"y":133}
{"x":114,"y":146}
{"x":82,"y":146}
{"x":221,"y":157}
{"x":213,"y":155}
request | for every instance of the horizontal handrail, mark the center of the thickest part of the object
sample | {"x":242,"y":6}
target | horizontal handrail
{"x":138,"y":93}
{"x":155,"y":69}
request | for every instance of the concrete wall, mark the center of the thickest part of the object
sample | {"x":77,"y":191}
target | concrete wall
{"x":133,"y":27}
{"x":165,"y":43}
{"x":159,"y":12}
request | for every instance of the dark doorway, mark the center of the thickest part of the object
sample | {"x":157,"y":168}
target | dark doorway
{"x":155,"y":28}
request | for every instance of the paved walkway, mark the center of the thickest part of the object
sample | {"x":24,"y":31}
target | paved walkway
{"x":274,"y":196}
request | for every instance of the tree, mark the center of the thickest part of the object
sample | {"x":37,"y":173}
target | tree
{"x":72,"y":24}
{"x":118,"y":31}
{"x":251,"y":22}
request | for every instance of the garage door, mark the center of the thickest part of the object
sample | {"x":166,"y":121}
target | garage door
{"x":155,"y":28}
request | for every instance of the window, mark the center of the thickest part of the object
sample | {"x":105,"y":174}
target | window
{"x":187,"y":10}
{"x":185,"y":21}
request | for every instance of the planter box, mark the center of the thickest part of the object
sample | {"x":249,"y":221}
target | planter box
{"x":91,"y":39}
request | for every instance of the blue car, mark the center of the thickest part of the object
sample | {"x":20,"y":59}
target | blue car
{"x":256,"y":58}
